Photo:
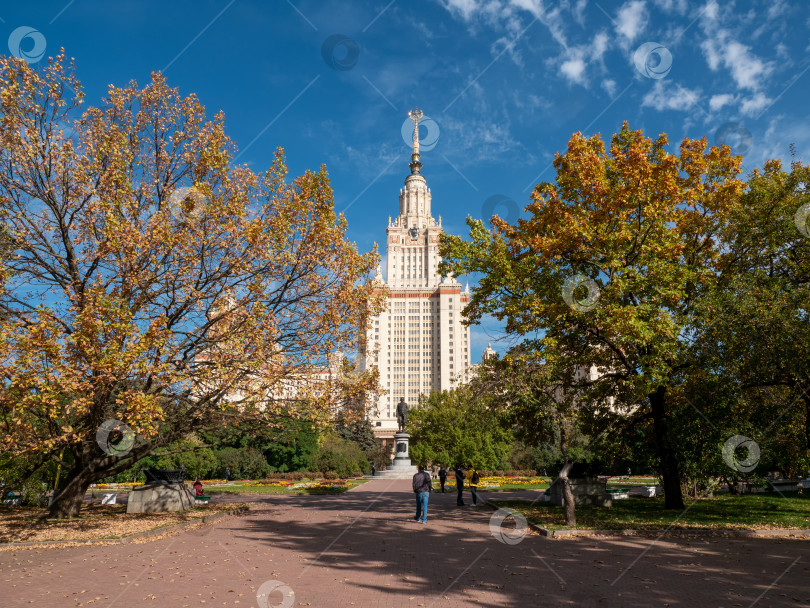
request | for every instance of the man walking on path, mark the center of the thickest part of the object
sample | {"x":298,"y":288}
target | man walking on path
{"x":422,"y":486}
{"x":474,"y":479}
{"x":442,"y":477}
{"x":459,"y":485}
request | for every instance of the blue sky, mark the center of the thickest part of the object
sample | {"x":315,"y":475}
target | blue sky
{"x":505,"y":82}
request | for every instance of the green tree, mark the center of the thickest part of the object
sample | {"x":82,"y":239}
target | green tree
{"x":754,"y":332}
{"x":189,"y":453}
{"x":292,"y":448}
{"x":245,"y":463}
{"x":459,"y":427}
{"x":544,"y":402}
{"x":339,"y":455}
{"x":609,"y":267}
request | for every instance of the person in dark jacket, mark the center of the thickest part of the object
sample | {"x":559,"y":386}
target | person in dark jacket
{"x":442,"y":477}
{"x":459,"y":485}
{"x":422,"y":487}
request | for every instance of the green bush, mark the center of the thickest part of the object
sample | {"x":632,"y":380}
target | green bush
{"x":459,"y":427}
{"x":31,"y":488}
{"x":245,"y":463}
{"x":197,"y":459}
{"x":340,"y":456}
{"x":292,"y":449}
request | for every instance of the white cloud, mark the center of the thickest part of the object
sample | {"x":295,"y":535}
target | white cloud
{"x":600,"y":44}
{"x":631,"y":19}
{"x":747,"y":70}
{"x":754,"y":105}
{"x":609,"y":86}
{"x":712,"y":54}
{"x":722,"y":47}
{"x":675,"y":97}
{"x":579,"y":11}
{"x":672,"y":6}
{"x":573,"y":62}
{"x":574,"y":69}
{"x":718,"y":101}
{"x":777,"y":8}
{"x":465,"y":8}
{"x":711,"y":11}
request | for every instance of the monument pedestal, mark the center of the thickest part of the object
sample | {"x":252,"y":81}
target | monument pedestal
{"x":158,"y":497}
{"x":401,"y":468}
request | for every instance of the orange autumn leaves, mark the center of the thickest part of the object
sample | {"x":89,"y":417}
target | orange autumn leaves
{"x":152,"y":280}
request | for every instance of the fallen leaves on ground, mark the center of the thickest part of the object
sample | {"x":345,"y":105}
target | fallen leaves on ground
{"x":18,"y":524}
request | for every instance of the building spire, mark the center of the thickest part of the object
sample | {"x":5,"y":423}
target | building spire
{"x":415,"y":115}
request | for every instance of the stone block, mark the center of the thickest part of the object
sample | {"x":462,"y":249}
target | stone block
{"x":587,"y":491}
{"x":160,"y":497}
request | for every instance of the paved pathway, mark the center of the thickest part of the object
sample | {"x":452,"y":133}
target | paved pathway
{"x":363,"y":548}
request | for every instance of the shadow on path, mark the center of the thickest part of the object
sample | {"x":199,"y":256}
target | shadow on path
{"x":368,"y":537}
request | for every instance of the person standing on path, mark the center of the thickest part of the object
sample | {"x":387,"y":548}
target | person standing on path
{"x":227,"y":474}
{"x":422,"y":487}
{"x":474,"y":479}
{"x":442,"y":477}
{"x":459,"y":485}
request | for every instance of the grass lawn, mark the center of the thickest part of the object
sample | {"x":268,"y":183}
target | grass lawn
{"x":298,"y":488}
{"x":622,"y":482}
{"x":748,"y":511}
{"x":18,"y":524}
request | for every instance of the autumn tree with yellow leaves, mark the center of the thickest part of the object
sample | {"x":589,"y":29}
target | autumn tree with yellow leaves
{"x":152,"y":286}
{"x":608,"y":268}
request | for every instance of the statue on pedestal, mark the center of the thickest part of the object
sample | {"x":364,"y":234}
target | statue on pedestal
{"x":402,"y":413}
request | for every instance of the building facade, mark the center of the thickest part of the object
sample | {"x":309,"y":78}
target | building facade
{"x":418,"y":343}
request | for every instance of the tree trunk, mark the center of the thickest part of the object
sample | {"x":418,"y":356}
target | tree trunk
{"x":670,"y":470}
{"x":569,"y":504}
{"x":68,"y":501}
{"x":568,"y":495}
{"x":806,"y":398}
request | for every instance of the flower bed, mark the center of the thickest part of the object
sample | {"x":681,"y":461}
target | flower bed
{"x":498,"y":482}
{"x":128,"y":485}
{"x":279,"y":483}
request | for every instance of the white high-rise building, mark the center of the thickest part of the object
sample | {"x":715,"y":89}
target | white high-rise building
{"x":418,"y":343}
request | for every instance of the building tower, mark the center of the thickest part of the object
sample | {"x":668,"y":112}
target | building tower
{"x":418,"y":342}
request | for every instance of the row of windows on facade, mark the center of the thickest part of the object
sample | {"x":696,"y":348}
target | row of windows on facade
{"x":397,"y":371}
{"x":412,"y":318}
{"x":414,"y":307}
{"x":428,"y":355}
{"x":416,"y":310}
{"x":400,"y":331}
